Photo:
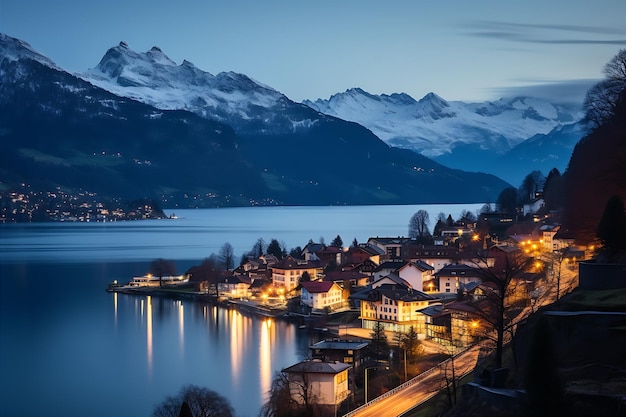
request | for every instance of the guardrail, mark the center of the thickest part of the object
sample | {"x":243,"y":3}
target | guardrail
{"x":407,"y":384}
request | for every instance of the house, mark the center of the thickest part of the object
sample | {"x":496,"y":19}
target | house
{"x":309,"y":253}
{"x":391,"y":246}
{"x":351,"y":352}
{"x":438,"y":323}
{"x":452,"y":277}
{"x":367,"y":267}
{"x":533,"y":206}
{"x":321,"y":294}
{"x":386,"y":268}
{"x":324,"y":383}
{"x":234,"y":286}
{"x":364,"y":252}
{"x":435,"y":256}
{"x":331,"y":255}
{"x":259,"y":287}
{"x":415,"y":273}
{"x":288,"y":271}
{"x":354,"y":277}
{"x":395,"y":306}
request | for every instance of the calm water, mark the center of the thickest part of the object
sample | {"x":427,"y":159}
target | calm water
{"x":68,"y":348}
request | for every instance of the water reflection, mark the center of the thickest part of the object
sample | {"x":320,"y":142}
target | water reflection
{"x":149,"y":332}
{"x":265,"y":357}
{"x":236,"y":343}
{"x":181,"y":327}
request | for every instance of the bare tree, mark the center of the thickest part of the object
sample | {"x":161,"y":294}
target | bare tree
{"x":161,"y":268}
{"x":202,"y":402}
{"x":499,"y":282}
{"x":227,"y":256}
{"x":418,"y":225}
{"x":601,"y":99}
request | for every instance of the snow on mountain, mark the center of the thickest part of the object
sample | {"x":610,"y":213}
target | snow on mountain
{"x":153,"y":78}
{"x":433,"y":126}
{"x":12,"y":49}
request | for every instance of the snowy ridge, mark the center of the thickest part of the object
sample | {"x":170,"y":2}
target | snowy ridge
{"x":12,"y":49}
{"x":153,"y":78}
{"x":433,"y":126}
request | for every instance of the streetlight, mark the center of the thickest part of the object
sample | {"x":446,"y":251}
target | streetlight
{"x":367,"y":369}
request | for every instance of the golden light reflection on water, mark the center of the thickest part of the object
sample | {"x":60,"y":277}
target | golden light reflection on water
{"x":181,"y":327}
{"x":265,"y":357}
{"x":236,"y":343}
{"x":149,"y":331}
{"x":115,"y":308}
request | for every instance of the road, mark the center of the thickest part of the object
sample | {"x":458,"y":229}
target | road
{"x":425,"y":387}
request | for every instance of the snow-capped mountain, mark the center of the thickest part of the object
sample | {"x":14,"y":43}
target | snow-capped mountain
{"x":433,"y":126}
{"x":14,"y":49}
{"x":60,"y":130}
{"x":153,"y":78}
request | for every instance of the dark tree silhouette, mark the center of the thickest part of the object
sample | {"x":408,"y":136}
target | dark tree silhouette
{"x":507,"y":200}
{"x":418,"y":225}
{"x":499,"y":282}
{"x":201,"y":402}
{"x":227,"y":256}
{"x":553,"y":190}
{"x":612,"y":228}
{"x":337,"y":242}
{"x":602,"y":99}
{"x":379,"y":346}
{"x":161,"y":268}
{"x":275,"y":249}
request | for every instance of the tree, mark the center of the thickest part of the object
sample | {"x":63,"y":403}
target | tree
{"x":601,"y":100}
{"x":553,"y":190}
{"x":306,"y":277}
{"x":258,"y":249}
{"x":379,"y":347}
{"x":202,"y":402}
{"x":418,"y":225}
{"x":411,"y":344}
{"x":279,"y":402}
{"x":531,"y":184}
{"x":337,"y":242}
{"x":355,"y":244}
{"x":227,"y":256}
{"x":161,"y":268}
{"x":499,"y":281}
{"x":507,"y":200}
{"x":296,"y":252}
{"x":612,"y":228}
{"x":275,"y":249}
{"x":467,"y":217}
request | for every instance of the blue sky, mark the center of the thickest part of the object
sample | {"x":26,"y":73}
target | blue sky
{"x":461,"y":50}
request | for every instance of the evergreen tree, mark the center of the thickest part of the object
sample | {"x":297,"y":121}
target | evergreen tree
{"x":379,"y":346}
{"x":337,"y":242}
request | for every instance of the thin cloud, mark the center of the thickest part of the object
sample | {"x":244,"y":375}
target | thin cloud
{"x":571,"y":92}
{"x":544,"y":33}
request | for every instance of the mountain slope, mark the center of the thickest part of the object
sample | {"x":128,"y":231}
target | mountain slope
{"x":457,"y":134}
{"x":153,"y":78}
{"x":56,"y":129}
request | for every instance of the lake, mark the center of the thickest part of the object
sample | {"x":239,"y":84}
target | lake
{"x":68,"y":348}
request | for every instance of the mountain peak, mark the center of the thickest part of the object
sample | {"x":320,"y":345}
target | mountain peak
{"x":434,"y":100}
{"x":13,"y":49}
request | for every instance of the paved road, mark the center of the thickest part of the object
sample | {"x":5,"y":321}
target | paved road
{"x":406,"y":399}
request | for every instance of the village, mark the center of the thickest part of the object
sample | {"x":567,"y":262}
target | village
{"x":395,"y":296}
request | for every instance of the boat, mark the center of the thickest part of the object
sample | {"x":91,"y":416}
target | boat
{"x":149,"y":281}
